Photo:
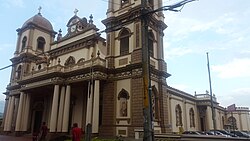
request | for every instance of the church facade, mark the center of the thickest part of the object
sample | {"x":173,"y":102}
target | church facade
{"x":84,"y":78}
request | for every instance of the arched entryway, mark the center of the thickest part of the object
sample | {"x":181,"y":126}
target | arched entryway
{"x":37,"y":116}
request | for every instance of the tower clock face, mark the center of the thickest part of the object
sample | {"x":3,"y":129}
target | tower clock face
{"x":73,"y":28}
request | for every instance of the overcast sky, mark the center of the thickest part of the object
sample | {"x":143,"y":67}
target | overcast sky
{"x":220,"y":27}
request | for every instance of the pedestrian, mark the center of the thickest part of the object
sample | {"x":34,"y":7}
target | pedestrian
{"x":76,"y":132}
{"x":43,"y":131}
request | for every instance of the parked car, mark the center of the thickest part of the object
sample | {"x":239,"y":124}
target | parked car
{"x":191,"y":132}
{"x":247,"y":132}
{"x":240,"y":134}
{"x":227,"y":133}
{"x":217,"y":133}
{"x":202,"y":132}
{"x":208,"y":133}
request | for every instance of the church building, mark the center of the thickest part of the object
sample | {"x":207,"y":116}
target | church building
{"x":83,"y":78}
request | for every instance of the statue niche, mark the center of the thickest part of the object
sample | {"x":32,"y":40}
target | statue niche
{"x":123,"y":97}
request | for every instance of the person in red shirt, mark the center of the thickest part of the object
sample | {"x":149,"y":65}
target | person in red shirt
{"x":76,"y":133}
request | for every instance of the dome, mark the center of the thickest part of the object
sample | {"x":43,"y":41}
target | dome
{"x":40,"y":21}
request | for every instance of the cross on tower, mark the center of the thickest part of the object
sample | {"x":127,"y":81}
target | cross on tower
{"x":39,"y":9}
{"x":76,"y":10}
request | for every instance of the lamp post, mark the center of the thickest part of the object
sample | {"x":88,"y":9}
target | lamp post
{"x":211,"y":95}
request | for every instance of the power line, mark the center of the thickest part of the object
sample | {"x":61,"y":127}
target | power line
{"x":107,"y":1}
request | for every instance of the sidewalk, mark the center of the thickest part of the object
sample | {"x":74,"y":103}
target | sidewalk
{"x":11,"y":138}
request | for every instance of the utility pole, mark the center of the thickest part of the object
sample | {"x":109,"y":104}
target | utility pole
{"x":90,"y":94}
{"x":211,"y":95}
{"x":147,"y":110}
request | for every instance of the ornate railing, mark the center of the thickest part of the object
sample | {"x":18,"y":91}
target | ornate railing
{"x":59,"y":68}
{"x":205,"y":97}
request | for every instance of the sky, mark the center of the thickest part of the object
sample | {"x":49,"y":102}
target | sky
{"x":220,"y":27}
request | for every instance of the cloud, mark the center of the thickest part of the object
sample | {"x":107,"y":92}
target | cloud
{"x":239,"y":96}
{"x":177,"y":52}
{"x":234,"y":69}
{"x":242,"y":92}
{"x":187,"y":35}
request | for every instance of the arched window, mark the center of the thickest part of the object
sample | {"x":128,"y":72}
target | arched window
{"x":124,"y":42}
{"x":151,"y":43}
{"x":18,"y":72}
{"x":155,"y":104}
{"x":24,"y":42}
{"x":232,"y":121}
{"x":178,"y":114}
{"x":123,"y":97}
{"x":191,"y":115}
{"x":70,"y":61}
{"x":40,"y":43}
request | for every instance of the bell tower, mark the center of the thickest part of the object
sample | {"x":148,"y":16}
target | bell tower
{"x":34,"y":38}
{"x":123,"y":24}
{"x":124,"y":60}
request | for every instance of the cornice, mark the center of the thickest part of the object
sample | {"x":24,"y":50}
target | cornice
{"x":33,"y":26}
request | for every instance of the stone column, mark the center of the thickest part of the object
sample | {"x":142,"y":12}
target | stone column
{"x":5,"y":111}
{"x":185,"y":116}
{"x":11,"y":113}
{"x":19,"y":113}
{"x":30,"y":39}
{"x":7,"y":114}
{"x":95,"y":117}
{"x":26,"y":112}
{"x":110,"y":5}
{"x":170,"y":122}
{"x":54,"y":110}
{"x":61,"y":108}
{"x":89,"y":104}
{"x":66,"y":110}
{"x":240,"y":122}
{"x":18,"y":44}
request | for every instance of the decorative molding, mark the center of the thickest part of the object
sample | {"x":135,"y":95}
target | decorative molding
{"x":87,"y":76}
{"x":123,"y":119}
{"x":72,"y":47}
{"x":123,"y":61}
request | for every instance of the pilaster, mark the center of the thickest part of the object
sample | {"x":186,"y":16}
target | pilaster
{"x":61,"y":110}
{"x":95,"y":119}
{"x":19,"y":113}
{"x":66,"y":109}
{"x":53,"y":118}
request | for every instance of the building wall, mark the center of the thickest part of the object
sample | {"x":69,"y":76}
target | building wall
{"x":82,"y":53}
{"x":189,"y":105}
{"x":46,"y":36}
{"x":245,"y":122}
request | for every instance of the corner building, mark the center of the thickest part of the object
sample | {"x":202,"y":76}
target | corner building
{"x":83,"y":78}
